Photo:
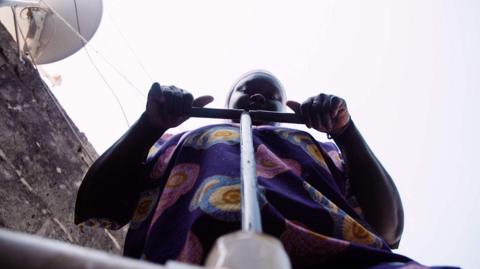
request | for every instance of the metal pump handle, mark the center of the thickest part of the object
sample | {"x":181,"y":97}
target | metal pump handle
{"x":234,"y":114}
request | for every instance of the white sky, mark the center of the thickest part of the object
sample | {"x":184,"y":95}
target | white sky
{"x":409,"y":71}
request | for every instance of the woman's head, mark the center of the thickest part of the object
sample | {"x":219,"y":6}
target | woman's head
{"x":257,"y":90}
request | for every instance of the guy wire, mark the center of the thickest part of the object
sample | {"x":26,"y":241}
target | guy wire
{"x":98,"y":70}
{"x":85,"y":41}
{"x":58,"y":106}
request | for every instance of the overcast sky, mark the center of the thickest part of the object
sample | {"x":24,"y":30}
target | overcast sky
{"x":409,"y":71}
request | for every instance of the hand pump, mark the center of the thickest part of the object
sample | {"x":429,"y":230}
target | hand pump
{"x":249,"y":248}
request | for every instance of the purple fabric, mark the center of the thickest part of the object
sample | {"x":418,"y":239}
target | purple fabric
{"x":304,"y":196}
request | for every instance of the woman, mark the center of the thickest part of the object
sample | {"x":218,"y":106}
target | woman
{"x":327,"y":209}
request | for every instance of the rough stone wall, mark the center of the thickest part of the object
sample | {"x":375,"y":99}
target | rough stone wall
{"x":42,"y":160}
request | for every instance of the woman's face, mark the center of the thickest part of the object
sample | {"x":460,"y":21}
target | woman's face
{"x":258,"y":91}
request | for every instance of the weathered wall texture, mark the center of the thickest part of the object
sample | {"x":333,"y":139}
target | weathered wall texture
{"x":41,"y":158}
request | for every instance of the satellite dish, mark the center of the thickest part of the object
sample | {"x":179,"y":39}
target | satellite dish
{"x":48,"y":37}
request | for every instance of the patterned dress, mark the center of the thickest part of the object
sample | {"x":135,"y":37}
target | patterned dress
{"x":194,"y":197}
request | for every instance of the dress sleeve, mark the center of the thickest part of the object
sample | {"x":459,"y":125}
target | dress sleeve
{"x":109,"y":202}
{"x":340,"y":174}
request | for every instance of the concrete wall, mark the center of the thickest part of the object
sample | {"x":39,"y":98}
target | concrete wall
{"x":42,"y":160}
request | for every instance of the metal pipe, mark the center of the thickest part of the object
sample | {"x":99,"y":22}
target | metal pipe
{"x":21,"y":3}
{"x":234,"y":114}
{"x":24,"y":251}
{"x":15,"y":22}
{"x":251,"y":220}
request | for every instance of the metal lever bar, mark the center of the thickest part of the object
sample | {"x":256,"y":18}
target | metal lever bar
{"x":234,"y":114}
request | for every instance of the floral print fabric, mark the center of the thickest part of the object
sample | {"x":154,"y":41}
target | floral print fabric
{"x":304,"y":198}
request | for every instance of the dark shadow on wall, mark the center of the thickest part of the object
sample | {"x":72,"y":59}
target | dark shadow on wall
{"x":43,"y":158}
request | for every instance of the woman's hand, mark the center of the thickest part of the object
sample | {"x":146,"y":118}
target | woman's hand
{"x":325,"y":113}
{"x":169,"y":106}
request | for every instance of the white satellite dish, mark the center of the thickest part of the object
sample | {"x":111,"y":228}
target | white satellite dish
{"x":49,"y":37}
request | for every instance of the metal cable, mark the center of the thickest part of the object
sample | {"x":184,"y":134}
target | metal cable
{"x":110,"y":88}
{"x":137,"y":58}
{"x":85,"y":41}
{"x":57,"y":104}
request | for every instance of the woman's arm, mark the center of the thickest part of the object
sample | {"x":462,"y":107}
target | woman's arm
{"x":371,"y":184}
{"x":112,"y":184}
